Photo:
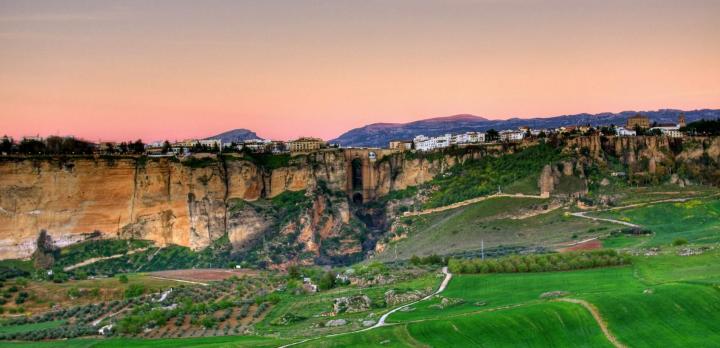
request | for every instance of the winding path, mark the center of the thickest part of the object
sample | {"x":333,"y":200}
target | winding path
{"x":383,"y":318}
{"x":582,"y":214}
{"x":101,"y":258}
{"x":471,"y":201}
{"x":598,"y":318}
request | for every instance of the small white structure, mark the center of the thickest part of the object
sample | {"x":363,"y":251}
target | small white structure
{"x":512,"y":135}
{"x":670,"y":131}
{"x":624,"y":132}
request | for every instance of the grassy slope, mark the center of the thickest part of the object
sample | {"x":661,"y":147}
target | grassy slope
{"x":463,"y":228}
{"x":681,"y":309}
{"x":697,"y":220}
{"x":551,"y":324}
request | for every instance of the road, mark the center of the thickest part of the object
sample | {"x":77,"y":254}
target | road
{"x":383,"y":318}
{"x":471,"y":201}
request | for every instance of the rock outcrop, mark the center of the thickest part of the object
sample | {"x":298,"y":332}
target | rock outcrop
{"x":187,"y":203}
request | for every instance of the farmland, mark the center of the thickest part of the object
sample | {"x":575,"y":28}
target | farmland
{"x":667,"y":293}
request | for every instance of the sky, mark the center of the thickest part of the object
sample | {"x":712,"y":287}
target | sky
{"x":174,"y":69}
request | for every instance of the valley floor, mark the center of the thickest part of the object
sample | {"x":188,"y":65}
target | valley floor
{"x":668,"y":297}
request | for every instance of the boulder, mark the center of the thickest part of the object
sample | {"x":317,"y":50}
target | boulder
{"x":393,"y":298}
{"x":336,"y":322}
{"x":352,"y":304}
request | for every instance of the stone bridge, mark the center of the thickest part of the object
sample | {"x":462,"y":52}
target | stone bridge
{"x":363,"y":173}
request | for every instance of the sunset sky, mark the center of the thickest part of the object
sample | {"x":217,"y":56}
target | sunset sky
{"x":117,"y":70}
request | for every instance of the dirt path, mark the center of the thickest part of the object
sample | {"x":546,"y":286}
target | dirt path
{"x":470,"y":201}
{"x":97,"y":259}
{"x":598,"y":318}
{"x":381,"y":321}
{"x":582,"y":214}
{"x":179,"y":280}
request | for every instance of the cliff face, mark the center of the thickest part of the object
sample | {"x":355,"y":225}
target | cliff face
{"x":170,"y":202}
{"x":651,"y":155}
{"x":196,"y":202}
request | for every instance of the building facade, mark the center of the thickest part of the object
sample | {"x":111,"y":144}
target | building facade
{"x":305,"y":144}
{"x":638,"y":121}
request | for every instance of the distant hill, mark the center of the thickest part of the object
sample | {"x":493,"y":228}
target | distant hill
{"x":379,"y":134}
{"x":236,"y":135}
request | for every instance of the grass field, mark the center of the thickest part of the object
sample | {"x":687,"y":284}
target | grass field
{"x":648,"y":304}
{"x":537,"y":325}
{"x":697,"y":220}
{"x":30,"y":327}
{"x":497,"y":222}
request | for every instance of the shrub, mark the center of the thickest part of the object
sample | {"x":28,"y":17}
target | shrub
{"x":134,"y":290}
{"x":679,"y":241}
{"x":540,"y":263}
{"x":327,"y":281}
{"x":123,"y":278}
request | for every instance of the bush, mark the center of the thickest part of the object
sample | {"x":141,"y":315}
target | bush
{"x":134,"y":290}
{"x":679,"y":241}
{"x":327,"y":281}
{"x":123,"y":278}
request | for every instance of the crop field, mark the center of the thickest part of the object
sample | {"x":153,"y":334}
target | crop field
{"x":202,"y":274}
{"x":547,"y":324}
{"x":644,"y":305}
{"x":43,"y":295}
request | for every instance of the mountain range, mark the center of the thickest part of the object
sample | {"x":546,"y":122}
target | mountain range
{"x":379,"y":134}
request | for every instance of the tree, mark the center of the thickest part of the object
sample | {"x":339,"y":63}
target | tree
{"x":327,"y":281}
{"x":45,"y":252}
{"x":29,"y":146}
{"x":293,"y":272}
{"x":415,"y":260}
{"x":6,"y":145}
{"x":123,"y":279}
{"x":492,"y":135}
{"x":137,"y":147}
{"x":134,"y":290}
{"x":166,"y":147}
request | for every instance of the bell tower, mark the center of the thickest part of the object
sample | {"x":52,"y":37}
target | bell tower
{"x":681,"y":120}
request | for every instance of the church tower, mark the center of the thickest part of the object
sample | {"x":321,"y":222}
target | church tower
{"x":681,"y":120}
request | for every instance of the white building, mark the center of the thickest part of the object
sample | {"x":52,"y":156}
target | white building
{"x":669,"y":130}
{"x":624,"y":132}
{"x":211,"y":142}
{"x":468,"y":138}
{"x":512,"y":135}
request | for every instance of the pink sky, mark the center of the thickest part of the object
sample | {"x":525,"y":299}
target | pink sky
{"x":181,"y":69}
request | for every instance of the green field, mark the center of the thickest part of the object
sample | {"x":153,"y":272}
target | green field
{"x":645,"y":305}
{"x":550,"y":324}
{"x":697,"y":220}
{"x":497,"y":222}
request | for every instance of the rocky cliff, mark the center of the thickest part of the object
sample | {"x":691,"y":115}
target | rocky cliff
{"x":199,"y":200}
{"x":187,"y":203}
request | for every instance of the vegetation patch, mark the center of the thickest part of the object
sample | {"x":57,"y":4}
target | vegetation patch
{"x":540,"y":263}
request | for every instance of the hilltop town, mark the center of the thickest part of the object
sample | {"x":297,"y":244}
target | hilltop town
{"x":36,"y":145}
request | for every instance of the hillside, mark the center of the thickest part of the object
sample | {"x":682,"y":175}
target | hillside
{"x":236,"y":135}
{"x":379,"y":134}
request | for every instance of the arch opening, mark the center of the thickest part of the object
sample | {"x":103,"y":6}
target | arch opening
{"x":357,"y":179}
